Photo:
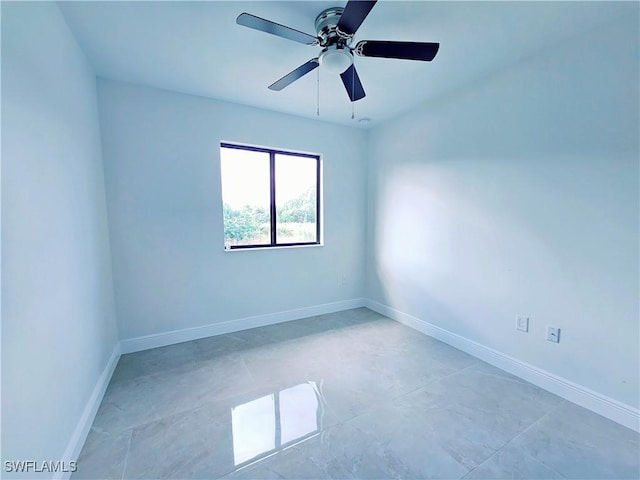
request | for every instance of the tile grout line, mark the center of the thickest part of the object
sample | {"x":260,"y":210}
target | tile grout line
{"x":456,"y":372}
{"x":506,"y":444}
{"x":244,"y":364}
{"x":399,"y":396}
{"x":555,"y":408}
{"x":179,"y":411}
{"x":543,"y":464}
{"x":509,"y":379}
{"x":172,"y":416}
{"x":126,"y":457}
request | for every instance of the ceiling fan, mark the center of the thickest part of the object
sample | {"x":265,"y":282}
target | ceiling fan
{"x":335,"y":28}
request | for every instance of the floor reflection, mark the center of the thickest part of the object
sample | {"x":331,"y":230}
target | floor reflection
{"x":270,"y":423}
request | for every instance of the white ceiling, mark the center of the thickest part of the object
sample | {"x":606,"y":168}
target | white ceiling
{"x":197,"y":48}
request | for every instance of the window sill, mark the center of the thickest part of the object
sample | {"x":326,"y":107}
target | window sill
{"x":279,"y":247}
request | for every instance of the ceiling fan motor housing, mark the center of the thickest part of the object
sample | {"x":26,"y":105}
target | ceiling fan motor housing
{"x":327,"y":22}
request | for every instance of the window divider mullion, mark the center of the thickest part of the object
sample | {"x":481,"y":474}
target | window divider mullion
{"x":318,"y":199}
{"x":272,"y":185}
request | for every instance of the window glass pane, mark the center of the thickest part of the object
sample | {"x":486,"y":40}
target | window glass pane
{"x":254,"y":428}
{"x":296,"y":199}
{"x":245,"y":196}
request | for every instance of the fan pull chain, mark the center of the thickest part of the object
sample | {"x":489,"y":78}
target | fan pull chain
{"x":318,"y":94}
{"x":353,"y":93}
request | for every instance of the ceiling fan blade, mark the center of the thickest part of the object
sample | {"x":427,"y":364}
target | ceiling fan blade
{"x":291,"y":77}
{"x":353,"y":15}
{"x":267,"y":26}
{"x":403,"y":50}
{"x":352,"y":84}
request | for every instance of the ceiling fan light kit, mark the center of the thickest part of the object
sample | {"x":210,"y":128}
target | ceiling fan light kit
{"x":336,"y":59}
{"x":335,"y":29}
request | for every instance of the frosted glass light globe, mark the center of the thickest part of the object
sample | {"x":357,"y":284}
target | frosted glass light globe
{"x":336,"y":60}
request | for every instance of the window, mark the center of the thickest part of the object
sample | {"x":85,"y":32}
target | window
{"x":271,"y":198}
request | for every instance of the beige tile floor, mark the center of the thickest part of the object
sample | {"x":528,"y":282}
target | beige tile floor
{"x":346,"y":395}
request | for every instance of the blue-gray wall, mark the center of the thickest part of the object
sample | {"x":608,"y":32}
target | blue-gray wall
{"x":162,"y":173}
{"x":519,"y":195}
{"x":58,"y":317}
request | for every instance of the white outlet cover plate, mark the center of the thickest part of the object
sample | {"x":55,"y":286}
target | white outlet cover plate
{"x":553,"y":334}
{"x":522,"y":323}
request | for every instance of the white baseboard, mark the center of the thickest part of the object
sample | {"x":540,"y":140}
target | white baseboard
{"x":601,"y":404}
{"x":184,"y":335}
{"x":86,"y":420}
